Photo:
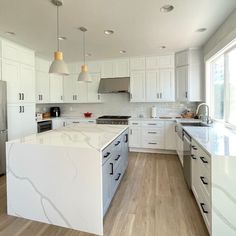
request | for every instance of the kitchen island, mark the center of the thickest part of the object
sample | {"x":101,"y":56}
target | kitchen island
{"x":67,"y":177}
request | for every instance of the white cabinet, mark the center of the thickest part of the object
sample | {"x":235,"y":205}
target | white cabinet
{"x":137,"y":86}
{"x":82,"y":92}
{"x":137,"y":63}
{"x":21,"y":120}
{"x":160,"y":85}
{"x":70,"y":121}
{"x":189,"y":75}
{"x":115,"y":68}
{"x":152,"y":63}
{"x":134,"y":134}
{"x":94,"y":66}
{"x":42,"y":81}
{"x":170,"y":138}
{"x":70,"y":89}
{"x":56,"y":88}
{"x":93,"y":96}
{"x":57,"y":123}
{"x":20,"y":80}
{"x":166,"y":61}
{"x":179,"y":148}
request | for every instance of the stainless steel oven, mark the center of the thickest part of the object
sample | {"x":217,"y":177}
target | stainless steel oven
{"x":187,"y":158}
{"x":44,"y":126}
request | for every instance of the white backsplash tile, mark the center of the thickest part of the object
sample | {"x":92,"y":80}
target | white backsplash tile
{"x":118,"y":104}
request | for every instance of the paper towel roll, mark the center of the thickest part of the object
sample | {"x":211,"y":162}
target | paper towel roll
{"x":154,"y":112}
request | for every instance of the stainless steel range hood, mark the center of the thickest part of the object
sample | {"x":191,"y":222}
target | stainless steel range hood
{"x":114,"y":85}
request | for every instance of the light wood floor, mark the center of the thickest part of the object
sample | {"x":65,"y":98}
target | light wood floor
{"x":152,"y":200}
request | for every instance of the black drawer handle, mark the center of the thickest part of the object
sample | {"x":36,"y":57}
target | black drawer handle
{"x":119,"y":175}
{"x":134,"y":123}
{"x":152,"y":143}
{"x":152,"y":124}
{"x":204,"y":210}
{"x":194,"y":148}
{"x":126,"y":138}
{"x":118,"y":157}
{"x":204,"y":160}
{"x":107,"y":155}
{"x":193,"y":157}
{"x":117,"y":143}
{"x":152,"y":132}
{"x":112,"y":171}
{"x":203,"y":180}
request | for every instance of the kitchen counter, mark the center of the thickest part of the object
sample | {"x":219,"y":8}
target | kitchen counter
{"x":57,"y":177}
{"x":216,"y":140}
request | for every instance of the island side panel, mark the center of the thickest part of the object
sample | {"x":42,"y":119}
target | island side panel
{"x":56,"y":185}
{"x":223,"y":196}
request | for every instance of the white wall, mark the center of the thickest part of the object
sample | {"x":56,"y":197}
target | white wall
{"x":223,"y":36}
{"x":118,"y":104}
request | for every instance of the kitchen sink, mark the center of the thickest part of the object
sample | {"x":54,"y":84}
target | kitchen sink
{"x":195,"y":124}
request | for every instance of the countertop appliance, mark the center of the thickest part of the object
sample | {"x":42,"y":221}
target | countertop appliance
{"x":44,"y":125}
{"x":3,"y":126}
{"x":187,"y":158}
{"x":55,"y":111}
{"x":114,"y":85}
{"x":113,"y":120}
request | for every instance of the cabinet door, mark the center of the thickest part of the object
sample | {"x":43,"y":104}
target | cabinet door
{"x":181,"y":83}
{"x":27,"y":81}
{"x":137,"y":63}
{"x":152,"y":63}
{"x":82,"y":91}
{"x":106,"y":185}
{"x":195,"y":175}
{"x":107,"y":69}
{"x":121,"y":68}
{"x":152,"y":86}
{"x":170,"y":138}
{"x":29,"y":124}
{"x":135,"y":137}
{"x":137,"y":86}
{"x":11,"y":74}
{"x":181,"y":58}
{"x":42,"y":87}
{"x":166,"y":61}
{"x":93,"y":95}
{"x":69,"y":89}
{"x":166,"y":83}
{"x":94,"y":66}
{"x":56,"y":89}
{"x":57,"y":123}
{"x":10,"y":51}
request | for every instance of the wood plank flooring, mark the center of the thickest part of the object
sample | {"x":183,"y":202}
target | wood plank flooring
{"x":152,"y":200}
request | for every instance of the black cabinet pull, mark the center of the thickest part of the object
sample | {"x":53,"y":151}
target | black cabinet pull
{"x":117,"y":143}
{"x":20,"y":110}
{"x":112,"y":172}
{"x":119,"y":175}
{"x":193,"y":157}
{"x":19,"y":96}
{"x":204,"y":160}
{"x":203,"y":209}
{"x":151,"y":132}
{"x":118,"y":157}
{"x":23,"y":96}
{"x":23,"y":109}
{"x":126,"y":138}
{"x":107,"y":155}
{"x":194,"y":148}
{"x":152,"y":143}
{"x":175,"y":128}
{"x":203,"y":180}
{"x":41,"y":97}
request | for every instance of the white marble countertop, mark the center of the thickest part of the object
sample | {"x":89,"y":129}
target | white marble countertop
{"x":88,"y":136}
{"x":67,"y":118}
{"x":216,"y":140}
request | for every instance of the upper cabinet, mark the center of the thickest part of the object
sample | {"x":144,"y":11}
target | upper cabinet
{"x":151,"y":63}
{"x":115,"y":68}
{"x":160,"y":62}
{"x":56,"y":88}
{"x":189,"y":75}
{"x":137,"y":86}
{"x":137,"y":63}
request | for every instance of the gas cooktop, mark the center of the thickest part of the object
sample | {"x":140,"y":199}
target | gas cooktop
{"x":114,"y":120}
{"x":114,"y":117}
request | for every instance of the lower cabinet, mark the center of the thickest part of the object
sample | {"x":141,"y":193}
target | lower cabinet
{"x":179,"y":148}
{"x":21,"y":120}
{"x":115,"y":162}
{"x":57,"y":123}
{"x":69,"y":121}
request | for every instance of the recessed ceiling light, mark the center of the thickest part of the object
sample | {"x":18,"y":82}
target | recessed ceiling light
{"x":162,"y":47}
{"x":201,"y":30}
{"x":167,"y":8}
{"x":88,"y":54}
{"x":62,"y":38}
{"x":108,"y":32}
{"x":122,"y":51}
{"x":10,"y":33}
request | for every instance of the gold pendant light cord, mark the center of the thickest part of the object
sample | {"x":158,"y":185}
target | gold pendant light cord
{"x":84,"y":46}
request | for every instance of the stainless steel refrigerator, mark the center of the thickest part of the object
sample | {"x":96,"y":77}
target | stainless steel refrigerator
{"x":3,"y":126}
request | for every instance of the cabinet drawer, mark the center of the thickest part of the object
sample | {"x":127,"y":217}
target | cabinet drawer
{"x":205,"y":160}
{"x":106,"y":154}
{"x":205,"y":180}
{"x":152,"y":143}
{"x":155,"y":124}
{"x":135,"y":123}
{"x":157,"y":132}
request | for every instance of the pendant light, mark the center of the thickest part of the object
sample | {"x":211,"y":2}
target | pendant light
{"x":58,"y":66}
{"x":84,"y":76}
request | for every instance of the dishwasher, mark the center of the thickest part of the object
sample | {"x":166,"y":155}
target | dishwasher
{"x":187,"y":158}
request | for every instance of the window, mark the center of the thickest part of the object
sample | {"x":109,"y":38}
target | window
{"x":221,"y":87}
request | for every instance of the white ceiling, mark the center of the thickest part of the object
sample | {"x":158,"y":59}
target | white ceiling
{"x":140,"y":28}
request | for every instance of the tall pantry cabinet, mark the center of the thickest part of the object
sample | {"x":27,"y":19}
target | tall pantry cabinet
{"x":18,"y":70}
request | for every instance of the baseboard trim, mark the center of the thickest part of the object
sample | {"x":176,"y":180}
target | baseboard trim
{"x":148,"y":150}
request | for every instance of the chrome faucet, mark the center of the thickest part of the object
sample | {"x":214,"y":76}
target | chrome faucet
{"x":204,"y":117}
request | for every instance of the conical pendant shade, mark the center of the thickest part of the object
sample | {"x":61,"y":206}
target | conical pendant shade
{"x":58,"y":66}
{"x":84,"y":76}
